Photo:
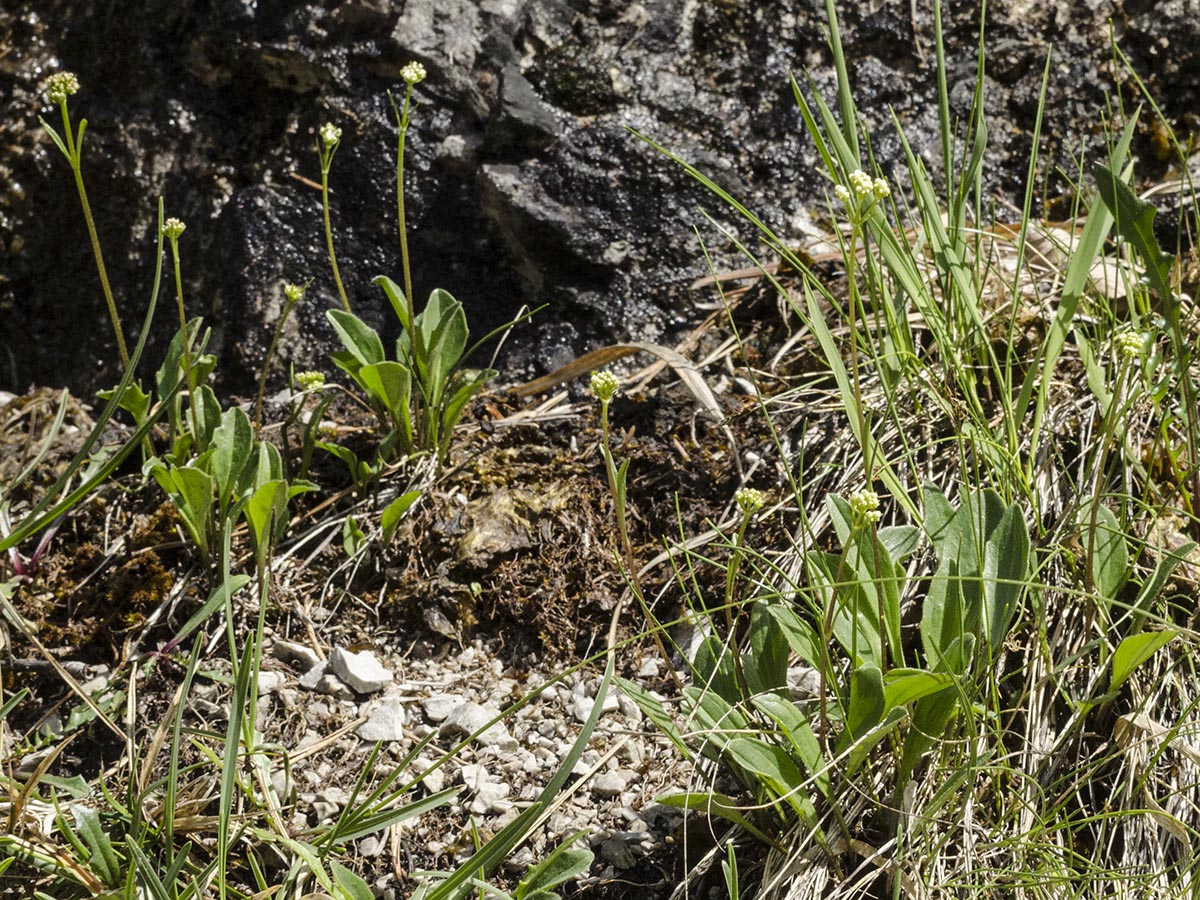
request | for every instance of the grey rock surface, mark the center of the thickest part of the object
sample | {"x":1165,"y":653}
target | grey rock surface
{"x":361,"y":671}
{"x":525,"y":187}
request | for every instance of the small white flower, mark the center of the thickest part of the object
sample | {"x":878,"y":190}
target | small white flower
{"x":863,"y":185}
{"x":292,"y":293}
{"x":413,"y":73}
{"x":880,"y":188}
{"x":842,"y":193}
{"x":1130,"y":344}
{"x":173,"y":228}
{"x":61,"y":85}
{"x":604,"y":385}
{"x":864,"y":507}
{"x":330,"y":134}
{"x":309,"y":380}
{"x":749,"y":500}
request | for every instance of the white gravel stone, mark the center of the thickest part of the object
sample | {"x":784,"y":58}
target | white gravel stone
{"x":361,"y":671}
{"x":332,"y":686}
{"x":609,"y":784}
{"x":385,"y":722}
{"x":290,"y":651}
{"x":311,"y":678}
{"x":467,"y":718}
{"x":438,"y":706}
{"x":650,"y":667}
{"x":582,"y":702}
{"x":269,"y":682}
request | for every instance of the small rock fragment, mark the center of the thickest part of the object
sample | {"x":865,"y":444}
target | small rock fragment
{"x":289,"y":651}
{"x":617,"y":853}
{"x":311,"y":678}
{"x":467,"y":718}
{"x":269,"y":682}
{"x":438,"y":706}
{"x":385,"y":723}
{"x":361,"y":671}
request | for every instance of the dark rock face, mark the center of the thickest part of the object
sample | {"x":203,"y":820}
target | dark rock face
{"x":525,"y":186}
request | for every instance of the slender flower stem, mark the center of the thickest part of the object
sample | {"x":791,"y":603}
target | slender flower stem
{"x":75,"y":160}
{"x":291,"y":294}
{"x":337,"y":275}
{"x":173,"y":228}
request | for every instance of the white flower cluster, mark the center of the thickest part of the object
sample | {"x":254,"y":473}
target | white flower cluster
{"x":413,"y":73}
{"x":604,"y":385}
{"x":308,"y":380}
{"x":864,"y":186}
{"x":749,"y":500}
{"x":173,"y":228}
{"x":1130,"y":344}
{"x":61,"y":85}
{"x":330,"y":134}
{"x":864,"y":507}
{"x":293,"y":292}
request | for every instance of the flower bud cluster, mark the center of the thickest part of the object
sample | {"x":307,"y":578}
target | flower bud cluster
{"x":310,"y":379}
{"x":604,"y":385}
{"x":173,"y":229}
{"x":413,"y":73}
{"x":864,"y":508}
{"x":749,"y":500}
{"x":864,"y":187}
{"x":330,"y":134}
{"x":293,"y":293}
{"x":1130,"y":344}
{"x":61,"y":85}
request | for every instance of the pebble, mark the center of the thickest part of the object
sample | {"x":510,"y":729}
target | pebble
{"x":385,"y":722}
{"x":582,"y":703}
{"x":361,"y":671}
{"x":610,"y":784}
{"x":332,"y":686}
{"x":313,"y":675}
{"x":438,"y":706}
{"x":617,"y":853}
{"x":467,"y":718}
{"x":293,"y":652}
{"x":269,"y":682}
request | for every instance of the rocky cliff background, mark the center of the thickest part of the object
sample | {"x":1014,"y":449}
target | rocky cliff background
{"x":525,"y":185}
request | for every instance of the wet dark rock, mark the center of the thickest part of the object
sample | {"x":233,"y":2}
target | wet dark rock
{"x":525,"y":184}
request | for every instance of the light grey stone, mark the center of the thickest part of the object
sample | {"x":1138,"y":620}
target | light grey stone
{"x":438,"y":706}
{"x":384,"y":723}
{"x":468,"y":718}
{"x":293,"y":652}
{"x":361,"y":671}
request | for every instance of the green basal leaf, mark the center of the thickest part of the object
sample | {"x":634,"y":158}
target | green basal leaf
{"x":232,"y":442}
{"x":903,"y":686}
{"x":775,"y":770}
{"x":765,"y":666}
{"x":1135,"y":650}
{"x":800,"y":635}
{"x":562,"y":865}
{"x":1134,"y":220}
{"x":1110,"y":554}
{"x":395,"y":295}
{"x":266,"y":506}
{"x":359,"y":339}
{"x":349,"y":885}
{"x":394,"y":512}
{"x":866,"y":706}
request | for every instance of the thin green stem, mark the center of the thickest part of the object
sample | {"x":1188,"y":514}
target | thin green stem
{"x":401,"y":220}
{"x":77,"y":168}
{"x":186,"y":338}
{"x":326,"y":160}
